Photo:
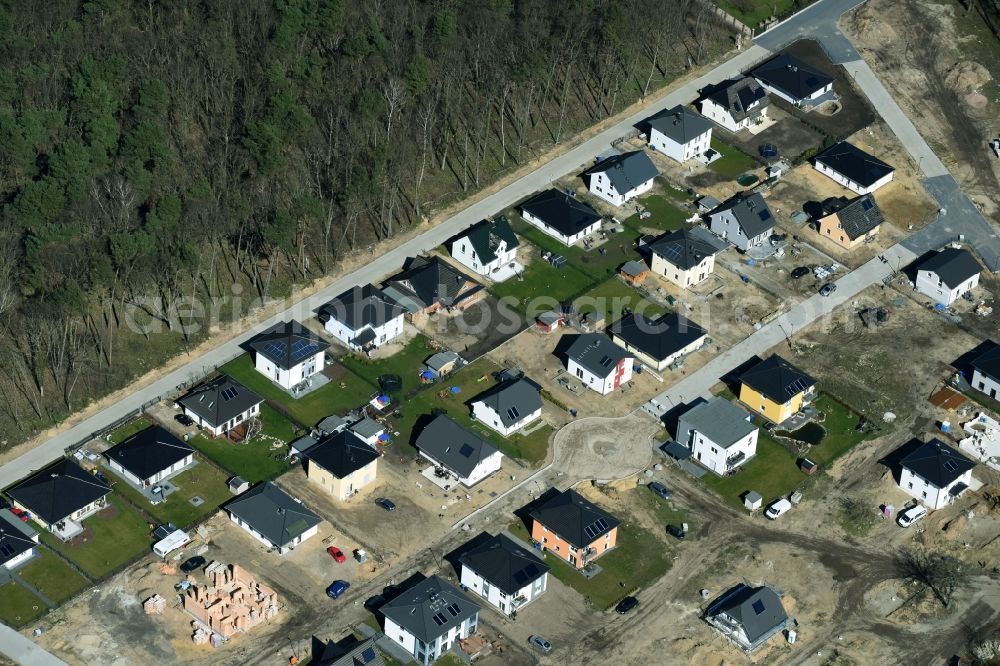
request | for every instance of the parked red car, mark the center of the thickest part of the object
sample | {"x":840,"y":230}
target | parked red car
{"x":336,"y":554}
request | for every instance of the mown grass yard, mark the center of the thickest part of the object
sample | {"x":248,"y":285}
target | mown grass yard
{"x":51,"y":576}
{"x":126,"y":430}
{"x":752,"y":12}
{"x":773,"y":473}
{"x":407,"y":363}
{"x":733,"y":163}
{"x":597,"y":263}
{"x":18,"y":606}
{"x":260,"y":458}
{"x":541,"y":287}
{"x":204,"y":480}
{"x":841,"y":431}
{"x":611,"y":297}
{"x":664,"y":215}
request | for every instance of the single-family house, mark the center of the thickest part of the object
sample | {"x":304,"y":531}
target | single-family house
{"x":986,"y":372}
{"x":735,"y":104}
{"x":427,"y":285}
{"x":719,"y":434}
{"x":621,"y":178}
{"x":363,"y":318}
{"x":660,"y":341}
{"x":794,"y":81}
{"x":288,"y":353}
{"x":598,"y":363}
{"x":850,"y":222}
{"x":935,"y":474}
{"x":347,"y":652}
{"x":561,"y":216}
{"x":342,"y":464}
{"x":509,"y":406}
{"x":853,"y":168}
{"x":60,"y":496}
{"x":221,"y":405}
{"x":680,"y":133}
{"x":743,"y":219}
{"x":427,"y":619}
{"x":18,"y":540}
{"x":463,"y":453}
{"x":504,"y":573}
{"x":776,"y":389}
{"x":574,"y":528}
{"x":273,"y":517}
{"x":489,"y":248}
{"x":947,"y":275}
{"x":149,"y":456}
{"x":748,"y":616}
{"x":685,"y":257}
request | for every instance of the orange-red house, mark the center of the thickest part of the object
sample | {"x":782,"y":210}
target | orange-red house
{"x":573,"y":528}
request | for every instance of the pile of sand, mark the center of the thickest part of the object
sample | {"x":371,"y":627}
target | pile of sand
{"x":966,"y":77}
{"x":868,"y":25}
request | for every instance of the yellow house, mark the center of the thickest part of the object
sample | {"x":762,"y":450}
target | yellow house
{"x":776,"y":389}
{"x":342,"y":464}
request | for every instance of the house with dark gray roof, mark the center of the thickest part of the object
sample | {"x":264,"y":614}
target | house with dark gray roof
{"x":150,"y":456}
{"x":362,"y":318}
{"x":735,"y":104}
{"x":273,"y":517}
{"x":748,"y":616}
{"x":509,"y":406}
{"x":685,"y":257}
{"x":427,"y":285}
{"x":221,"y":405}
{"x":934,"y":473}
{"x":342,"y":464}
{"x":459,"y":451}
{"x":853,"y":168}
{"x":598,"y":363}
{"x":621,"y":178}
{"x":573,"y":527}
{"x":776,"y":389}
{"x":720,"y":435}
{"x":428,"y":618}
{"x":288,"y":353}
{"x":347,"y":652}
{"x":743,"y":219}
{"x":658,"y":342}
{"x":504,"y":572}
{"x":561,"y":215}
{"x":850,"y":222}
{"x":60,"y":496}
{"x":947,"y":275}
{"x":680,"y":133}
{"x":489,"y":248}
{"x":794,"y":81}
{"x":986,"y":372}
{"x":18,"y":540}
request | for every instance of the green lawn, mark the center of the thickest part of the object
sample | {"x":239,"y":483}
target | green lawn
{"x":204,"y":480}
{"x":125,"y":431}
{"x":611,"y":297}
{"x":772,"y":472}
{"x":18,"y":606}
{"x":594,"y":263}
{"x":752,"y":12}
{"x":733,"y":163}
{"x":664,"y":215}
{"x":408,"y":363}
{"x":540,"y":280}
{"x":111,"y":540}
{"x":336,"y":397}
{"x":258,"y":459}
{"x":51,"y":576}
{"x":841,"y":435}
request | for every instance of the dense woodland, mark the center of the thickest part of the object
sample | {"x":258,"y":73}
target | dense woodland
{"x":166,"y":149}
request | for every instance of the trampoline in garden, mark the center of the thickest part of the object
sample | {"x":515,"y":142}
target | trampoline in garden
{"x":747,"y":179}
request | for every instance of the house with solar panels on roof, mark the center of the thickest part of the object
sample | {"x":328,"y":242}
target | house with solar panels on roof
{"x":60,"y":496}
{"x":685,"y":257}
{"x":743,"y":219}
{"x":794,"y":81}
{"x":222,"y":406}
{"x":776,"y":389}
{"x":850,"y":222}
{"x":150,"y":456}
{"x":362,"y":318}
{"x":561,"y":215}
{"x":947,"y":275}
{"x":288,"y":353}
{"x":853,"y":168}
{"x":489,"y":248}
{"x":735,"y":104}
{"x":349,"y":651}
{"x":427,"y":618}
{"x":934,"y":473}
{"x":572,"y":527}
{"x":748,"y":616}
{"x":273,"y":517}
{"x":620,"y":178}
{"x":680,"y":133}
{"x":458,"y":451}
{"x":506,"y":574}
{"x":509,"y":406}
{"x":598,"y":363}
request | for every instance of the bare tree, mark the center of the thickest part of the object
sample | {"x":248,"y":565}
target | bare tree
{"x":395,"y":96}
{"x":941,"y":574}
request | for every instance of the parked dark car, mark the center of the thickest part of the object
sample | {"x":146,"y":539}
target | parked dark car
{"x":386,"y":503}
{"x":374,"y":602}
{"x":800,"y":272}
{"x":337,"y":588}
{"x":661,"y":490}
{"x":676,"y":531}
{"x":540,"y":643}
{"x":184,"y":420}
{"x":827,"y":289}
{"x":626,"y":604}
{"x":193,"y":563}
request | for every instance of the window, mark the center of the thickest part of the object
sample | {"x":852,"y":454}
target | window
{"x":579,"y":373}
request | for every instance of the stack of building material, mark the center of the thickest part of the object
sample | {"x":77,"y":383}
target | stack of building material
{"x":233,"y":602}
{"x":155,"y":605}
{"x":201,"y":634}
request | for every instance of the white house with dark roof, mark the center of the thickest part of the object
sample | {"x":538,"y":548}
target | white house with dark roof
{"x":428,"y":618}
{"x":150,"y":456}
{"x":794,"y":81}
{"x":986,"y":372}
{"x":680,"y":133}
{"x":18,"y":541}
{"x":489,"y":248}
{"x":463,"y":453}
{"x":598,"y":363}
{"x":362,"y":318}
{"x":853,"y":168}
{"x":288,"y":353}
{"x":744,"y":220}
{"x":60,"y":496}
{"x":935,"y":474}
{"x":221,"y":405}
{"x":504,"y":573}
{"x":621,"y":178}
{"x":508,"y":407}
{"x":273,"y":517}
{"x":561,"y":216}
{"x":947,"y":275}
{"x":735,"y":104}
{"x":685,"y":257}
{"x":719,"y":434}
{"x":748,"y":616}
{"x":658,"y":342}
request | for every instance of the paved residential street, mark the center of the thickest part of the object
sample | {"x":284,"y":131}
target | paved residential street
{"x":23,"y":651}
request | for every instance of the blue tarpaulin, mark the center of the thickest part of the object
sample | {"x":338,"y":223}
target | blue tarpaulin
{"x":456,"y":389}
{"x":383,"y":437}
{"x":427,"y":374}
{"x":383,"y":398}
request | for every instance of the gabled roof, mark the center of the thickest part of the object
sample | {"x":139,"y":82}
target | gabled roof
{"x":149,"y":452}
{"x":791,"y":76}
{"x":512,"y":401}
{"x":219,"y":400}
{"x":288,"y":344}
{"x":596,"y":353}
{"x":952,"y":265}
{"x":777,"y":379}
{"x":58,"y":491}
{"x":757,"y":610}
{"x":988,"y":363}
{"x":504,"y":564}
{"x":854,"y":163}
{"x":16,"y":536}
{"x":361,"y":307}
{"x":857,"y":216}
{"x":750,"y":211}
{"x":455,"y":447}
{"x":354,"y":653}
{"x":574,"y":518}
{"x":688,"y":247}
{"x":561,"y":212}
{"x":680,"y":124}
{"x":937,"y":462}
{"x":273,"y":513}
{"x":659,"y":338}
{"x":737,"y":95}
{"x":626,"y":171}
{"x":441,"y":359}
{"x":485,"y":236}
{"x":430,"y":609}
{"x":719,"y":420}
{"x":341,"y":453}
{"x":431,"y":281}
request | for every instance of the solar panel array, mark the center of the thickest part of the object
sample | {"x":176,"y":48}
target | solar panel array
{"x":368,"y":654}
{"x":758,"y":607}
{"x":867,"y":204}
{"x":466,"y":450}
{"x":950,"y":465}
{"x":764,"y":215}
{"x":513,"y":413}
{"x":796,"y":387}
{"x":671,"y":252}
{"x":606,"y":361}
{"x":7,"y":550}
{"x":229,"y":393}
{"x":275,"y":349}
{"x":454,"y":610}
{"x":440,"y":619}
{"x":303,"y":348}
{"x":596,"y":528}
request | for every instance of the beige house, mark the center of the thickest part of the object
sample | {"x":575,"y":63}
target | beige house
{"x":342,"y":464}
{"x":685,"y":257}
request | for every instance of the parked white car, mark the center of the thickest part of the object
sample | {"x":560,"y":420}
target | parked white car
{"x":911,"y":515}
{"x":778,"y":509}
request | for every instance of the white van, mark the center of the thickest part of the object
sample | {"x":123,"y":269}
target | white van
{"x":778,"y":509}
